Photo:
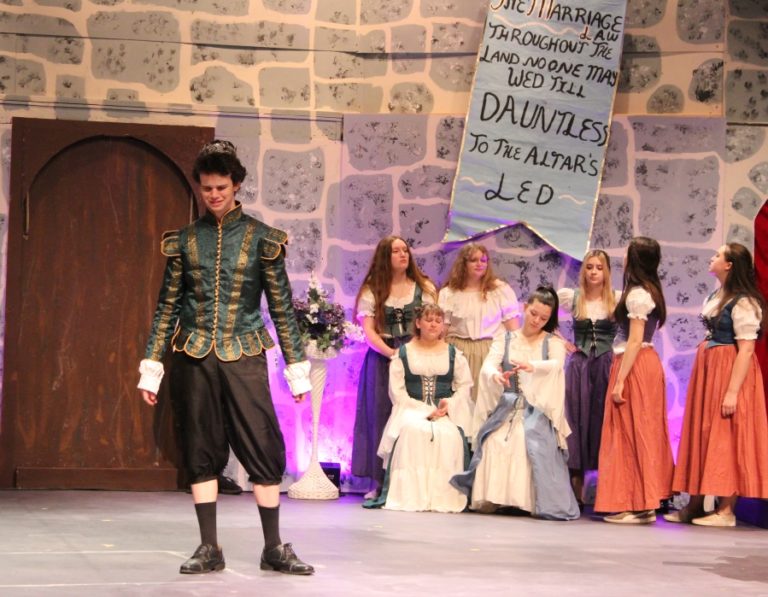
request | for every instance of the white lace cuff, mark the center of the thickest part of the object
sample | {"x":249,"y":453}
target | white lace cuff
{"x":151,"y":375}
{"x":297,"y":376}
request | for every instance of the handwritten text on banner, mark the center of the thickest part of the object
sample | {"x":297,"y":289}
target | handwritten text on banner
{"x":539,"y":118}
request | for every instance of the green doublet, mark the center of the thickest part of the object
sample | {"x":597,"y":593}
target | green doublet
{"x":212,"y":288}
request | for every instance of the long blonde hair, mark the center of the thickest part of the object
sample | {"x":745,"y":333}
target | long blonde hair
{"x":457,"y":279}
{"x":607,"y":295}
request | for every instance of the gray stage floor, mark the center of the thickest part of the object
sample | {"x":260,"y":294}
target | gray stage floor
{"x":89,"y":543}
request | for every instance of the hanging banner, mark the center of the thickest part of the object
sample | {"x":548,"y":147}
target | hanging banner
{"x":539,"y":118}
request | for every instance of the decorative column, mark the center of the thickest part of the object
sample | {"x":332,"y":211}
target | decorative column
{"x":314,"y":483}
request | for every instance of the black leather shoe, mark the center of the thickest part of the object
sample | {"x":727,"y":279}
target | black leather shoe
{"x":228,"y":486}
{"x":283,"y":559}
{"x":207,"y":558}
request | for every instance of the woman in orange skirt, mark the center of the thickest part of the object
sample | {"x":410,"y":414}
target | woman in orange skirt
{"x":724,"y":445}
{"x":635,"y":461}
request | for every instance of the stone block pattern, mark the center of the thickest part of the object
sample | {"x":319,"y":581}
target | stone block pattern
{"x":293,"y":181}
{"x":679,"y":198}
{"x":230,"y":7}
{"x":332,"y":40}
{"x":385,"y":141}
{"x":746,"y":76}
{"x":673,"y":58}
{"x":746,"y":186}
{"x":398,"y":75}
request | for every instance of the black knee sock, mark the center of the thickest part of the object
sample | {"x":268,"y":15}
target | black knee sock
{"x":270,"y":525}
{"x":206,"y":519}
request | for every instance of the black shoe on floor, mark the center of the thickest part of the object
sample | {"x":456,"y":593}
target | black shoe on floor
{"x":228,"y":486}
{"x":283,"y":559}
{"x":207,"y":558}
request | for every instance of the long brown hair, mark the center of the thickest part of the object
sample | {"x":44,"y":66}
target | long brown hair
{"x":607,"y":296}
{"x":642,"y":269}
{"x":740,"y":281}
{"x":457,"y":279}
{"x":379,"y":278}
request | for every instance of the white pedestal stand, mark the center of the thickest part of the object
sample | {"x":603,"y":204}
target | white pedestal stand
{"x":314,"y":483}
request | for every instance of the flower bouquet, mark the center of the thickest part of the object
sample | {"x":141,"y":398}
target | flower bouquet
{"x":323,"y":325}
{"x":325,"y":331}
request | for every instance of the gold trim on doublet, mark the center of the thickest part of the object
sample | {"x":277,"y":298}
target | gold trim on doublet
{"x":238,"y":277}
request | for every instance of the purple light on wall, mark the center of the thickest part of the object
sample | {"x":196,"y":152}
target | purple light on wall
{"x":337,"y":416}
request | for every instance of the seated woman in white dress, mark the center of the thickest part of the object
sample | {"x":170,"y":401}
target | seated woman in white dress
{"x":423,"y":442}
{"x":520,"y":457}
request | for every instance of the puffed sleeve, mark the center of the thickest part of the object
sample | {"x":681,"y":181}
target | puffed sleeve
{"x":746,"y":319}
{"x":510,"y":306}
{"x":445,"y":302}
{"x":639,"y":303}
{"x":565,"y":296}
{"x":365,"y":305}
{"x":460,"y":404}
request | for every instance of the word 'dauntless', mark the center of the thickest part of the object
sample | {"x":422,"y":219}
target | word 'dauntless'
{"x":539,"y":119}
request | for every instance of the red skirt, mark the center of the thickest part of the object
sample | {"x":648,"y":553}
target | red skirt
{"x":723,"y":455}
{"x":635,"y":469}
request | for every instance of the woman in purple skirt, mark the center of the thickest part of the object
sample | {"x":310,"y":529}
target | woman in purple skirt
{"x":591,"y":305}
{"x":386,"y":303}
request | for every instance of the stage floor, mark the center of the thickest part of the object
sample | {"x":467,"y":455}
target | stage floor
{"x":90,"y":543}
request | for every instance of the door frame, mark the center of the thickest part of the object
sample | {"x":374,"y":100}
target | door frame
{"x":180,"y":147}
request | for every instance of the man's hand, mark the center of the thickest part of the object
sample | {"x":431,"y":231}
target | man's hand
{"x":149,"y":397}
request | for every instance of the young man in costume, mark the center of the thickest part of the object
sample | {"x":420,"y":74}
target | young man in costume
{"x":209,"y":309}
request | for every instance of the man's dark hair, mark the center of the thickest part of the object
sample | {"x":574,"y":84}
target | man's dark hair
{"x":219,"y":157}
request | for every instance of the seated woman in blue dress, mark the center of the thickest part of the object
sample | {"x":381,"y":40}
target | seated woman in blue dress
{"x":423,"y":441}
{"x":521,"y":454}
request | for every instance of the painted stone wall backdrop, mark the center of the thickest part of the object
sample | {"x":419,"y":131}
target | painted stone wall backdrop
{"x":746,"y":109}
{"x":350,"y":116}
{"x":746,"y":180}
{"x":673,"y":58}
{"x":337,"y":55}
{"x":746,"y":76}
{"x":403,"y":56}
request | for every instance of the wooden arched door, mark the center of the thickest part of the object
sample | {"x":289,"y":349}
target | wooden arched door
{"x":89,"y":202}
